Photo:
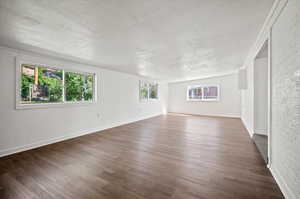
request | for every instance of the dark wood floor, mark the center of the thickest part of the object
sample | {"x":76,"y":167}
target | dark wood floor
{"x":172,"y":156}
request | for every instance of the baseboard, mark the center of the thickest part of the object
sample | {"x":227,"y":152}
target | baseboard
{"x":261,"y":132}
{"x":287,"y":192}
{"x":41,"y":143}
{"x":247,"y":128}
{"x":208,"y":115}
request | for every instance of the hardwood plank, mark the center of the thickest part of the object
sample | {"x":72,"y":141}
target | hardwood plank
{"x":171,"y":156}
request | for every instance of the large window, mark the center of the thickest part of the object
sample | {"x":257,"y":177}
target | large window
{"x":46,"y":85}
{"x":148,"y":91}
{"x":203,"y":93}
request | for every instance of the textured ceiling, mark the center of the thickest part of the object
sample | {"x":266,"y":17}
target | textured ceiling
{"x":164,"y":39}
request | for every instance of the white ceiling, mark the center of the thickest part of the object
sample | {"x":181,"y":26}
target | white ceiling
{"x":164,"y":39}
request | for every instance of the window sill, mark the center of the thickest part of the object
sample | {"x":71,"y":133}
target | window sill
{"x":148,"y":100}
{"x":203,"y":100}
{"x":54,"y":105}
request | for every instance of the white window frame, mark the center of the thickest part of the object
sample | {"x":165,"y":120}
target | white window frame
{"x":148,"y":88}
{"x":203,"y":86}
{"x":32,"y":61}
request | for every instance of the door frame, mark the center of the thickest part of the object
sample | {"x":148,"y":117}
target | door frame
{"x":269,"y":129}
{"x":267,"y":41}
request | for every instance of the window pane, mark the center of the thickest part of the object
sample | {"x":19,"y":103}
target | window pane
{"x":40,"y":84}
{"x":195,"y":93}
{"x":153,"y":91}
{"x":210,"y":92}
{"x":143,"y":90}
{"x":79,"y":87}
{"x":88,"y":95}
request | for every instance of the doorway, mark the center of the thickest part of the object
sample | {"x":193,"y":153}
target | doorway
{"x":261,"y":101}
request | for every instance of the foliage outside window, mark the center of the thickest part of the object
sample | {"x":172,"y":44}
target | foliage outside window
{"x":153,"y":91}
{"x":144,"y":92}
{"x":203,"y":93}
{"x":41,"y":84}
{"x":148,"y":90}
{"x":79,"y":87}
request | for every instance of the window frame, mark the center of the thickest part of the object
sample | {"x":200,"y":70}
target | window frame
{"x":148,"y":89}
{"x":202,"y":86}
{"x":20,"y":61}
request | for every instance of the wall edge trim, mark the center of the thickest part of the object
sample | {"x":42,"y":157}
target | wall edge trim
{"x":286,"y":191}
{"x":249,"y":130}
{"x":208,"y":115}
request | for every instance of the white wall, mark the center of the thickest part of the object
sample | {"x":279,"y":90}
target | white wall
{"x":118,"y":103}
{"x":247,"y":101}
{"x":229,"y":104}
{"x":261,"y":96}
{"x":285,"y":97}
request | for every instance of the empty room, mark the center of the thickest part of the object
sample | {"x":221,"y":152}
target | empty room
{"x":149,"y":99}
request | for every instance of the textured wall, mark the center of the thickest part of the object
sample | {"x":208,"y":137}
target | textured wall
{"x":286,"y":97}
{"x":285,"y":118}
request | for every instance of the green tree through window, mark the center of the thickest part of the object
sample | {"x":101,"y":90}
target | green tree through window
{"x":46,"y":85}
{"x":148,"y":90}
{"x":79,"y":87}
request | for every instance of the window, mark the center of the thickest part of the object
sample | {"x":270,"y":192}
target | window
{"x":153,"y":89}
{"x":210,"y":92}
{"x":79,"y":87}
{"x":148,"y":91}
{"x":203,"y":93}
{"x":144,"y":91}
{"x":195,"y":93}
{"x":40,"y":84}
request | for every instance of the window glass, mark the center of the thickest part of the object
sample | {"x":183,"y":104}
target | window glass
{"x":195,"y":93}
{"x":148,"y":90}
{"x":203,"y":93}
{"x":210,"y":92}
{"x":79,"y":87}
{"x":144,"y":90}
{"x":40,"y":84}
{"x":153,"y":91}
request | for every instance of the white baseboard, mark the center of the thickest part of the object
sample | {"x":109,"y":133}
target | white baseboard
{"x":261,"y":131}
{"x":287,"y":192}
{"x":248,"y":128}
{"x":209,"y":115}
{"x":18,"y":149}
{"x":223,"y":115}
